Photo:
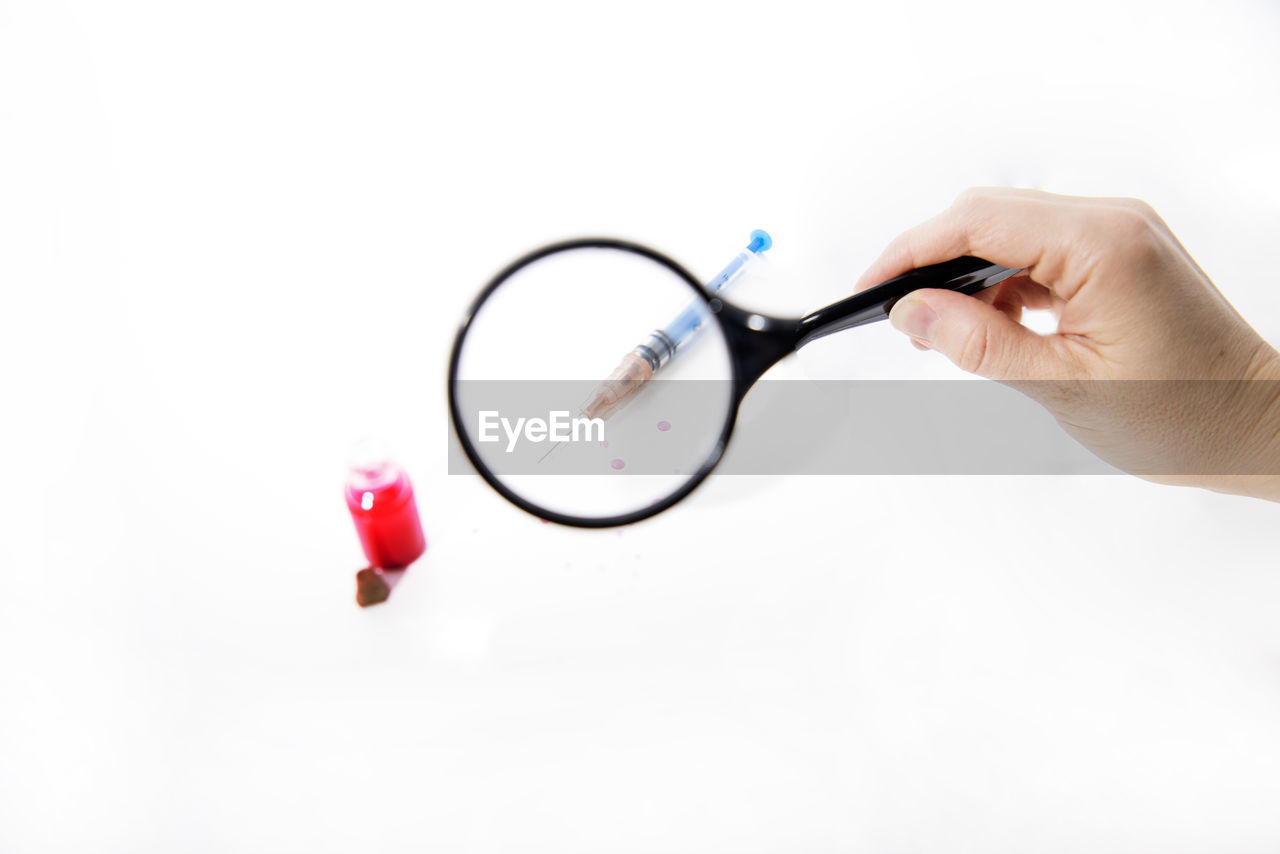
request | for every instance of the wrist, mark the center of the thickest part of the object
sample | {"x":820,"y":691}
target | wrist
{"x":1255,"y":472}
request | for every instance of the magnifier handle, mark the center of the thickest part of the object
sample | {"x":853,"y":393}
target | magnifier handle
{"x":966,"y":274}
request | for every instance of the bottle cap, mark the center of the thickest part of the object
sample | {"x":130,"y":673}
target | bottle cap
{"x":369,"y":465}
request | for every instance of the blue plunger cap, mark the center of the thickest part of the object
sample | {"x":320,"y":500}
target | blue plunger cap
{"x":760,"y":241}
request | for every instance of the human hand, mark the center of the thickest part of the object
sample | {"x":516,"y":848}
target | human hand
{"x":1150,"y":368}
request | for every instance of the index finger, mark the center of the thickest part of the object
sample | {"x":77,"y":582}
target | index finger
{"x":1026,"y":229}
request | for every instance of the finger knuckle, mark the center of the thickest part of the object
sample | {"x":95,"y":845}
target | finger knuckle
{"x":901,"y":247}
{"x":1126,"y":226}
{"x":975,"y":352}
{"x":1141,"y":207}
{"x":970,"y":196}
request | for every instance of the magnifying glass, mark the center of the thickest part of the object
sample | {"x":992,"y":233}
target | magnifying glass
{"x":595,"y":382}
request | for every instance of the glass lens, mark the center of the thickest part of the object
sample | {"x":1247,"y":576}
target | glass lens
{"x":594,"y":383}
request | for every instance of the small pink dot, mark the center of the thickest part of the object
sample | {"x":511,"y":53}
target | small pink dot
{"x":617,"y":465}
{"x":604,"y":443}
{"x":664,"y":426}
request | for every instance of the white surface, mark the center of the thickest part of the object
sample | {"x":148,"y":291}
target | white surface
{"x":235,"y":236}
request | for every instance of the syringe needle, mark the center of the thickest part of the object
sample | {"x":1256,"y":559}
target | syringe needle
{"x":628,"y":378}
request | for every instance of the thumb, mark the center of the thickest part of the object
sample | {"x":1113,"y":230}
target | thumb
{"x":980,"y":339}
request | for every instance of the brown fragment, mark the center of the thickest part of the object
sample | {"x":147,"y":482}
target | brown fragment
{"x":371,"y":587}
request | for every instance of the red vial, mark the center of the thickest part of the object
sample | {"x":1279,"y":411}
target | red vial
{"x":380,"y":498}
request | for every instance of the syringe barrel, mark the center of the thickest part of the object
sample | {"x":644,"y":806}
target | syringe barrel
{"x":731,"y":271}
{"x":696,"y":313}
{"x":658,"y":348}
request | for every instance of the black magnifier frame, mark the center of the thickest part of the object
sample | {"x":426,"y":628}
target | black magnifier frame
{"x":455,"y":415}
{"x":756,"y":342}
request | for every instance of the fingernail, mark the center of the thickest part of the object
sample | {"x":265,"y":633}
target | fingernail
{"x":914,"y":318}
{"x":919,"y":345}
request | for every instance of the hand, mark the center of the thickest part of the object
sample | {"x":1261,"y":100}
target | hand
{"x":1131,"y":306}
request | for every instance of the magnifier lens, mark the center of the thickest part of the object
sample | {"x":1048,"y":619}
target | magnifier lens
{"x":532,"y":403}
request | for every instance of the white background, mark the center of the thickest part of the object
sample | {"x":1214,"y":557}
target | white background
{"x":236,"y":236}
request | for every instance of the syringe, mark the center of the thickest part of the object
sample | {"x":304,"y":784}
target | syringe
{"x":648,"y":357}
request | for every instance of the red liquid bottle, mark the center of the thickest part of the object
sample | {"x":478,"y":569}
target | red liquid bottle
{"x":380,"y":498}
